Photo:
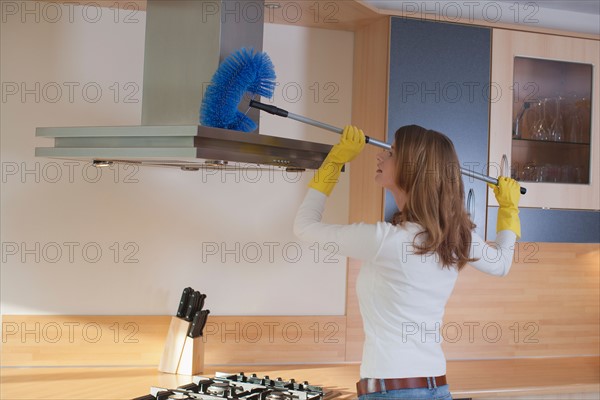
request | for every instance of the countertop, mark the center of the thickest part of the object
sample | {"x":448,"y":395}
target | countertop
{"x":468,"y":379}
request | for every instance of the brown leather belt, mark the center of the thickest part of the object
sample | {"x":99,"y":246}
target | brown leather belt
{"x":373,"y":385}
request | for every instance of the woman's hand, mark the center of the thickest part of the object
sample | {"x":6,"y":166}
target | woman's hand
{"x":508,"y":193}
{"x":350,"y":145}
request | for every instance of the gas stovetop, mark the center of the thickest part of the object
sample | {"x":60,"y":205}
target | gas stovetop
{"x":239,"y":386}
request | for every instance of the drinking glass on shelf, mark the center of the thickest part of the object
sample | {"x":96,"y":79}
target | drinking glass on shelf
{"x":576,"y":130}
{"x":514,"y":172}
{"x":540,"y":124}
{"x":572,"y":119}
{"x":518,"y":126}
{"x":552,"y":173}
{"x":530,"y":114}
{"x":541,"y":173}
{"x":583,"y":110}
{"x":529,"y":173}
{"x":569,"y":174}
{"x":556,"y":130}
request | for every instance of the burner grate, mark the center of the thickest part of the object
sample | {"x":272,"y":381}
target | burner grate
{"x":242,"y":387}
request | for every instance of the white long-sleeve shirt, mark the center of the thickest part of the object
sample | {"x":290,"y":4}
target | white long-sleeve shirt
{"x":402,"y":295}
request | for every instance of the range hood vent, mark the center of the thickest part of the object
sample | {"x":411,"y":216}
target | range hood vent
{"x":184,"y":45}
{"x":190,"y":147}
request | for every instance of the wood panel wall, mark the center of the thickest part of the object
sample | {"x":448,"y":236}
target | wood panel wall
{"x":547,"y":306}
{"x":75,"y":340}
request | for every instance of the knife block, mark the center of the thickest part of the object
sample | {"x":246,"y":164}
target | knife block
{"x":182,"y":354}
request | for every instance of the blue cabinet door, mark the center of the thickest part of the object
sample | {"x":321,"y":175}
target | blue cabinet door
{"x":440,"y":79}
{"x":558,"y":226}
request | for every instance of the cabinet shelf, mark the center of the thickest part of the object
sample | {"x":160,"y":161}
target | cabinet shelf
{"x":550,"y":162}
{"x":525,"y":142}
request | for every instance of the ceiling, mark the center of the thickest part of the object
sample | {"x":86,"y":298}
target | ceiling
{"x":576,"y":16}
{"x":585,"y":6}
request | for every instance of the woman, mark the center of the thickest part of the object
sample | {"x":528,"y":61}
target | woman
{"x":410,"y":267}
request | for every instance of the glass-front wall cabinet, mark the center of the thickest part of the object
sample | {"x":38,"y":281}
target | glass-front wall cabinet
{"x":544,"y":129}
{"x":552,"y":117}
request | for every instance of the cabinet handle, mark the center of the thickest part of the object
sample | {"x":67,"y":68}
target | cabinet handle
{"x":471,"y":204}
{"x":504,"y":165}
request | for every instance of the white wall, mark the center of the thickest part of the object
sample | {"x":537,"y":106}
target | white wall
{"x":156,"y":228}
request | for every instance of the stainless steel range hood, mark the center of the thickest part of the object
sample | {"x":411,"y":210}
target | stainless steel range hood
{"x":185,"y":42}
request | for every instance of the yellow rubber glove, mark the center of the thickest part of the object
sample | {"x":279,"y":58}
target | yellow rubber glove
{"x":350,"y":145}
{"x":508,"y":193}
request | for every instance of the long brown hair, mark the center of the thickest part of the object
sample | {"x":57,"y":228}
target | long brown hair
{"x":428,"y":170}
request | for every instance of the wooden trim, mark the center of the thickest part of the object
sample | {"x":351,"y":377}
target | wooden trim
{"x":369,"y":112}
{"x":350,"y":15}
{"x":326,"y":14}
{"x":355,"y":14}
{"x":330,"y":14}
{"x":477,"y":22}
{"x":130,"y":5}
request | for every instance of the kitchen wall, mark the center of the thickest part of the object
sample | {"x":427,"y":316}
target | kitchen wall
{"x":78,"y":240}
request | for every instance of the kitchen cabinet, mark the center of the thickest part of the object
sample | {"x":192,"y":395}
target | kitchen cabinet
{"x":439,"y":78}
{"x":553,"y":226}
{"x":544,"y":118}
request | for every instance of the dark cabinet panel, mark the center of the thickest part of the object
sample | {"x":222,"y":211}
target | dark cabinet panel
{"x":440,"y":79}
{"x":555,"y":226}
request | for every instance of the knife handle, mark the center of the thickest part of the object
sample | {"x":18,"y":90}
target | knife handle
{"x":183,"y":303}
{"x":198,"y":323}
{"x":201,"y":302}
{"x":203,"y":319}
{"x":194,"y":329}
{"x":192,"y":306}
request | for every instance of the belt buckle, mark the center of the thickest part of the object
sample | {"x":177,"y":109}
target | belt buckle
{"x":372,"y":386}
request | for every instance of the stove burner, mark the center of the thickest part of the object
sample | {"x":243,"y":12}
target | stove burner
{"x":240,"y":387}
{"x":279,"y":396}
{"x":217,"y":388}
{"x":179,"y":397}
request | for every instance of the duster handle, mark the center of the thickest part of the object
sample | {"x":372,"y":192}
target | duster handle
{"x":284,"y":113}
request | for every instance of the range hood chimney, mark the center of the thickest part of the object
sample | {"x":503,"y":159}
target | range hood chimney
{"x":184,"y":45}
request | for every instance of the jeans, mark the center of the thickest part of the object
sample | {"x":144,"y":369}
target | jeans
{"x":438,"y":393}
